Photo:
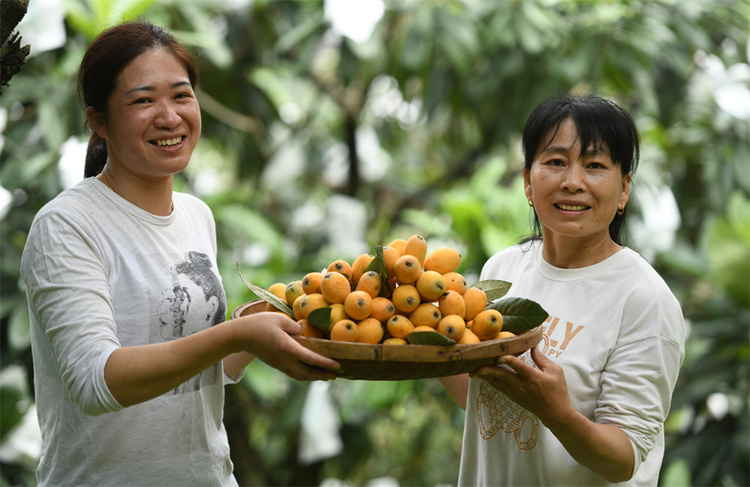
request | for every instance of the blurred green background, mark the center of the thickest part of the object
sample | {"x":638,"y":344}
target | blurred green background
{"x":332,"y":127}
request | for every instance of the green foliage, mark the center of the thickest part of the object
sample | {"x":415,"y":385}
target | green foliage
{"x":419,"y":126}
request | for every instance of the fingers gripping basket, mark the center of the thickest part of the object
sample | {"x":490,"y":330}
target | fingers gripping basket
{"x":399,"y":362}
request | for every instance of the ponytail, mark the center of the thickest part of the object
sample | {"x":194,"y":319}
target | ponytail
{"x":96,"y":156}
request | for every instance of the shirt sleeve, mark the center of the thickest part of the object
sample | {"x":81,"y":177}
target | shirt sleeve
{"x":69,"y":300}
{"x":641,"y":373}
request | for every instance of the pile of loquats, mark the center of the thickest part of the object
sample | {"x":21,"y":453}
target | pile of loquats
{"x":400,"y":295}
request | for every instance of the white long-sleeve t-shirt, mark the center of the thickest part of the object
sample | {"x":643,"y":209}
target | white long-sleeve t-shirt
{"x":618,"y":332}
{"x":100,"y":274}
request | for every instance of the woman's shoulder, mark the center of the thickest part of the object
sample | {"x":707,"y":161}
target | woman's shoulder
{"x":76,"y":200}
{"x":190,"y":201}
{"x":522,"y":250}
{"x":506,"y":259}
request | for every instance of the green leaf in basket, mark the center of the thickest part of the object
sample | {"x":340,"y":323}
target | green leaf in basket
{"x":519,"y":314}
{"x":378,"y":265}
{"x":428,"y":338}
{"x":320,"y":318}
{"x":266,"y":295}
{"x":493,"y":288}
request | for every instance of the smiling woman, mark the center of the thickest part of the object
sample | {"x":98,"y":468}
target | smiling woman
{"x":131,"y":356}
{"x":588,"y":405}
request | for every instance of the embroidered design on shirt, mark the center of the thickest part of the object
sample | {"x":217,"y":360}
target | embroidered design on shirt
{"x":496,"y":412}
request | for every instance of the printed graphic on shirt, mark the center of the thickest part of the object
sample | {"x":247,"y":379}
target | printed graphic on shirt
{"x":558,"y":336}
{"x":191,"y":300}
{"x":496,"y":412}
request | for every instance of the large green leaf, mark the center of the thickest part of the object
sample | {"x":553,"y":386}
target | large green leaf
{"x":519,"y":314}
{"x":493,"y":288}
{"x":320,"y":318}
{"x":264,"y":294}
{"x":378,"y":265}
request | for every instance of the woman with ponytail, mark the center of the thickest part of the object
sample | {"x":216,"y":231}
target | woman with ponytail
{"x":130,"y":345}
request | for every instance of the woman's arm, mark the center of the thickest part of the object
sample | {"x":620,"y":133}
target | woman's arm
{"x":457,"y":387}
{"x":603,"y":448}
{"x":139,"y":373}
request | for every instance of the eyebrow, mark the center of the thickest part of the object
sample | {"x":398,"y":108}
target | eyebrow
{"x":591,"y":151}
{"x":152,"y":88}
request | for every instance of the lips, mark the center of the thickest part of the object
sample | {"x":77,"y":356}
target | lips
{"x":167,"y":142}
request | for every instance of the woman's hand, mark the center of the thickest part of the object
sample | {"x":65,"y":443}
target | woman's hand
{"x":603,"y":448}
{"x":542,"y":390}
{"x":268,"y":336}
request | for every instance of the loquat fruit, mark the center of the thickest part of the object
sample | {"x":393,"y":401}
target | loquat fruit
{"x":416,"y":245}
{"x":468,"y":338}
{"x":311,"y":302}
{"x":452,"y":326}
{"x":338,"y":312}
{"x":395,"y":341}
{"x":335,"y":287}
{"x":443,"y":260}
{"x":390,"y":255}
{"x":426,"y":314}
{"x":382,"y":309}
{"x":407,"y":269}
{"x":342,"y":267}
{"x":292,"y":291}
{"x":370,"y":330}
{"x":358,"y":305}
{"x":455,"y":282}
{"x":399,"y":326}
{"x":398,"y":244}
{"x":311,"y":282}
{"x":487,"y":324}
{"x":309,"y":330}
{"x":431,"y":285}
{"x":371,"y":283}
{"x":277,"y":289}
{"x":476,"y":301}
{"x":296,"y":307}
{"x":344,"y":331}
{"x":359,"y":266}
{"x":452,"y":303}
{"x":406,"y":298}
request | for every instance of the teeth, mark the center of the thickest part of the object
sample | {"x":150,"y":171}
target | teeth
{"x":572,"y":207}
{"x":168,"y":142}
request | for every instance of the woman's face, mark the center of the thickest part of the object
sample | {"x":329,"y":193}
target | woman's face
{"x":575,"y":194}
{"x":154,"y":118}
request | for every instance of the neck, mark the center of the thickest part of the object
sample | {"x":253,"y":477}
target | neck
{"x":153,"y":196}
{"x":575,"y":253}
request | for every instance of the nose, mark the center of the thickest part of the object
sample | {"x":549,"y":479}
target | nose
{"x":573,"y":179}
{"x":167,"y":116}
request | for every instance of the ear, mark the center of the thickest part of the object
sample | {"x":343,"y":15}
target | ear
{"x":97,"y":122}
{"x":527,"y":184}
{"x":625,"y":194}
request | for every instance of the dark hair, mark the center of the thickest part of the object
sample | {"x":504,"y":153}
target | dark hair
{"x":598,"y":122}
{"x":102,"y":64}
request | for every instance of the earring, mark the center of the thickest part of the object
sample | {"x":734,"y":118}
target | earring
{"x":531,"y":202}
{"x":620,"y":211}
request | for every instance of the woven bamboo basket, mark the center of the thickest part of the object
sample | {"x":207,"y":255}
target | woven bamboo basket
{"x":400,"y":362}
